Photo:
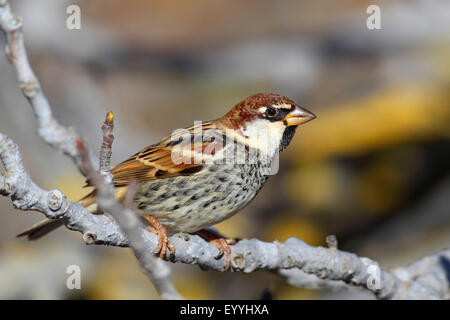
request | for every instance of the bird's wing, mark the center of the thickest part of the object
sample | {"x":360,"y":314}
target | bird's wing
{"x":170,"y":157}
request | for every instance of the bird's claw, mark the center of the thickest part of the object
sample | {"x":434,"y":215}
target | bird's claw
{"x":222,"y":244}
{"x":163,"y":239}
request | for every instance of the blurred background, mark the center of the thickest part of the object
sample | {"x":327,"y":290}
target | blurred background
{"x":373,"y":168}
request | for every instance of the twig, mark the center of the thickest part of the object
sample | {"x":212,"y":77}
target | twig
{"x":59,"y":137}
{"x":106,"y":149}
{"x":331,"y":241}
{"x":157,"y":270}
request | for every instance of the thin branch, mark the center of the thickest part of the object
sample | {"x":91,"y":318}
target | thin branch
{"x":106,"y":149}
{"x":59,"y":137}
{"x":157,"y":270}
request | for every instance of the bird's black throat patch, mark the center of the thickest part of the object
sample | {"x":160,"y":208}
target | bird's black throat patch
{"x":288,"y":134}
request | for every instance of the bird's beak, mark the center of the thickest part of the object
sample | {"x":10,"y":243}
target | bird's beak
{"x":298,"y":116}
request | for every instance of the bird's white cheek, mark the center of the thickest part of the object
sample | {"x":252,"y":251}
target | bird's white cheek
{"x":264,"y":135}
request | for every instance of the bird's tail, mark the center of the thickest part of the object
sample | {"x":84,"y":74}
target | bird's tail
{"x":43,"y":227}
{"x":40,"y":229}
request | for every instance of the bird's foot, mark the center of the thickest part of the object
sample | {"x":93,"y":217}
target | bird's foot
{"x":221,"y":243}
{"x":163,"y":240}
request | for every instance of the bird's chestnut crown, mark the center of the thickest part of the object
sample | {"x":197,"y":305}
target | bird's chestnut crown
{"x":269,"y":106}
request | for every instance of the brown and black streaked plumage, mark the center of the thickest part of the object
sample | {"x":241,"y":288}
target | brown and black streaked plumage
{"x":202,"y":175}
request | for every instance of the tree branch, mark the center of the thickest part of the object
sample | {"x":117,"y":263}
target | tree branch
{"x":157,"y":270}
{"x":59,"y":137}
{"x":64,"y":140}
{"x":106,"y":149}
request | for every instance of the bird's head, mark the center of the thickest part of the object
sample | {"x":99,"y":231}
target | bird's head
{"x":267,"y":120}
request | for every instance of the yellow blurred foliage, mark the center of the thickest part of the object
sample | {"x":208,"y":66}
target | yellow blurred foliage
{"x":70,"y":184}
{"x":290,"y":226}
{"x":387,"y":117}
{"x":235,"y":227}
{"x":314,"y":185}
{"x":380,"y":188}
{"x":120,"y":277}
{"x":194,"y":286}
{"x":287,"y":292}
{"x":441,"y":60}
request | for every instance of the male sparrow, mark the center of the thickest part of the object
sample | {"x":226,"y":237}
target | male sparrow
{"x":204,"y":174}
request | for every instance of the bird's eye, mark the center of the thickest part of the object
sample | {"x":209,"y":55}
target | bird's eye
{"x":271,"y":112}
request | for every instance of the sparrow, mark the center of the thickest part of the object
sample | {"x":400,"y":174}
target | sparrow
{"x":203,"y":174}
